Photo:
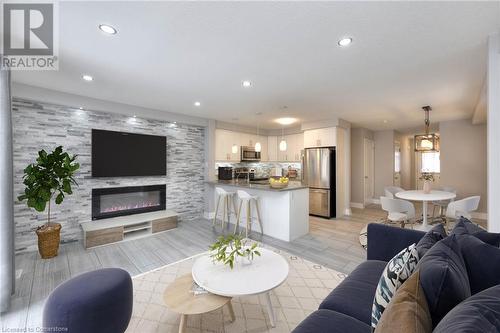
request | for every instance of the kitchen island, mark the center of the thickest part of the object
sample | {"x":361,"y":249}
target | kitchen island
{"x":284,"y":212}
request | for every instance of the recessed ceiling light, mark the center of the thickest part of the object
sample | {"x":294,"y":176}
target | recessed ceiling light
{"x":246,"y":84}
{"x":87,"y":77}
{"x":385,"y":121}
{"x":81,"y":108}
{"x":285,"y":121}
{"x":107,"y":29}
{"x":134,"y":116}
{"x":197,"y":104}
{"x":345,"y":41}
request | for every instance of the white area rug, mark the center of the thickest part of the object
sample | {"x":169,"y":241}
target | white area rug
{"x":306,"y":286}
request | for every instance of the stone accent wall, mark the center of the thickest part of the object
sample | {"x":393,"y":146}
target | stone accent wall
{"x":44,"y":126}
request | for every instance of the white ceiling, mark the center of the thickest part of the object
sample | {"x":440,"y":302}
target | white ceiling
{"x":167,"y":55}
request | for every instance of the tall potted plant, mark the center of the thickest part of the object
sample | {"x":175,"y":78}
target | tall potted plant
{"x":51,"y":175}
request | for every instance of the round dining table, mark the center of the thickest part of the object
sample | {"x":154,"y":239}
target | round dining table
{"x":419,"y":195}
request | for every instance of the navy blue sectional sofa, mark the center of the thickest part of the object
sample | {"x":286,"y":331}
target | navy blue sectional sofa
{"x":348,"y":307}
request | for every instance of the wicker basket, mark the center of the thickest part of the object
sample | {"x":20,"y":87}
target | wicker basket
{"x":48,"y":240}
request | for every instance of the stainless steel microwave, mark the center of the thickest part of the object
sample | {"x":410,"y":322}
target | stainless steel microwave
{"x":248,"y":154}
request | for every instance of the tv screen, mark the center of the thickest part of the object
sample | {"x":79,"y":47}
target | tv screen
{"x":119,"y":154}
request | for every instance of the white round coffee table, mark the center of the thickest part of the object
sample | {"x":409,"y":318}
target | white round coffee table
{"x":261,"y":276}
{"x":418,"y":195}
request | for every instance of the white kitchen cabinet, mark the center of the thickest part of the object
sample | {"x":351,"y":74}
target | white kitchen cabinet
{"x":298,"y":146}
{"x":249,"y":140}
{"x":321,"y":137}
{"x":294,"y":145}
{"x":264,"y":155}
{"x":272,"y":148}
{"x":283,"y":155}
{"x":224,"y":141}
{"x":245,"y":139}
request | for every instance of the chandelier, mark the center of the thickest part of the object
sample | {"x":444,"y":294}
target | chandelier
{"x":427,"y":141}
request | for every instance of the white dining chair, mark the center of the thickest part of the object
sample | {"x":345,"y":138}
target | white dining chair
{"x":442,"y":204}
{"x":398,"y":211}
{"x":390,"y":191}
{"x":462,"y":207}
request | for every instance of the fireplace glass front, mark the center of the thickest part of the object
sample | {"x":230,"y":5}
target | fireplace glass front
{"x":120,"y":201}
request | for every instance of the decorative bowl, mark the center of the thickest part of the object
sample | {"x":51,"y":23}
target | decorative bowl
{"x":278,"y":183}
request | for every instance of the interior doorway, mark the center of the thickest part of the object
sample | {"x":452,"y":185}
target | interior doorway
{"x":369,"y":170}
{"x":397,"y":164}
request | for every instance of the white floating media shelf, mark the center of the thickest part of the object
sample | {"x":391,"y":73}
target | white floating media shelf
{"x":116,"y":229}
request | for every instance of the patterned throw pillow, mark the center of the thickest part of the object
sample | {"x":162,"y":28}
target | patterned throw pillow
{"x":397,"y":271}
{"x":408,"y":311}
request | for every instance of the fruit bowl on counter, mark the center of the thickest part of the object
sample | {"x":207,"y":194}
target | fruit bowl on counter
{"x":281,"y":182}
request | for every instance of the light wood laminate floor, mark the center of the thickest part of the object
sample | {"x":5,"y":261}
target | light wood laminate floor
{"x":332,"y":243}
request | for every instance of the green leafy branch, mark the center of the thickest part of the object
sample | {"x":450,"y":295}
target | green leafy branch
{"x":227,"y":248}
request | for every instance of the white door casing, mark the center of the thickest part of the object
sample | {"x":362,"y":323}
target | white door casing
{"x":369,"y":170}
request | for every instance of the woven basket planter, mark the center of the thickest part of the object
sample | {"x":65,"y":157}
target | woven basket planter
{"x":49,"y":237}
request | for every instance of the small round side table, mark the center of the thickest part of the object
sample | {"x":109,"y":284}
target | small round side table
{"x":179,"y":298}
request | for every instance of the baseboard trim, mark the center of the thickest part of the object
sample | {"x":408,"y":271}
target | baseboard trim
{"x":208,"y":215}
{"x":357,"y":205}
{"x":479,"y":215}
{"x":374,"y":201}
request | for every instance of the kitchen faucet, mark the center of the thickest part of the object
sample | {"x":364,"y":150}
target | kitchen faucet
{"x":248,"y":177}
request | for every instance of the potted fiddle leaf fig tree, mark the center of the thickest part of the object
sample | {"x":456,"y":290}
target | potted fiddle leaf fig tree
{"x":50,"y":178}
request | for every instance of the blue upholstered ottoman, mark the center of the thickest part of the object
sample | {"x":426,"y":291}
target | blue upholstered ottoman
{"x":97,"y":301}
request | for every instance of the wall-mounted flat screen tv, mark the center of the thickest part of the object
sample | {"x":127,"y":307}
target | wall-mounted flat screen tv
{"x":119,"y":154}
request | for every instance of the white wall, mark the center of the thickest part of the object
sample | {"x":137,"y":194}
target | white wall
{"x":407,"y":151}
{"x":493,"y":82}
{"x":357,"y":163}
{"x":7,"y":258}
{"x":384,"y":161}
{"x":209,"y":169}
{"x":463,"y":159}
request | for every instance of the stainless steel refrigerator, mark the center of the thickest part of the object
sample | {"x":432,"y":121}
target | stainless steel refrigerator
{"x":318,"y":167}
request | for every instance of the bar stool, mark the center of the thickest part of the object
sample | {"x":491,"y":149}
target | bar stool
{"x":226,"y":197}
{"x":248,"y":199}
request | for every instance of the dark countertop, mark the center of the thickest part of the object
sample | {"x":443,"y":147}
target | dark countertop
{"x":292,"y":185}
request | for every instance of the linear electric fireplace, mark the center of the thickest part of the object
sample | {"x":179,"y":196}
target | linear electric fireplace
{"x":120,"y":201}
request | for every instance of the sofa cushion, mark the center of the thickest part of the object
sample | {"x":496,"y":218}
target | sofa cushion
{"x":408,"y":311}
{"x":443,"y":277}
{"x":354,"y":295}
{"x":481,"y":261}
{"x":479,"y":313}
{"x":395,"y":273}
{"x":332,"y":322}
{"x":385,"y":241}
{"x":431,"y":237}
{"x":465,"y":226}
